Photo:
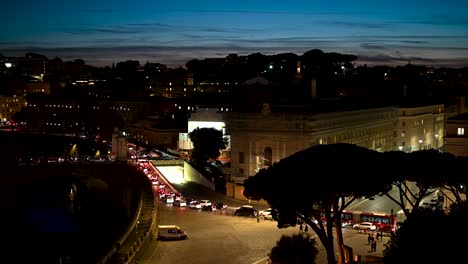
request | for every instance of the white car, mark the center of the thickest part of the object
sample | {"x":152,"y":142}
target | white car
{"x":205,"y":203}
{"x":194,"y":205}
{"x":365,"y":226}
{"x":266,"y":214}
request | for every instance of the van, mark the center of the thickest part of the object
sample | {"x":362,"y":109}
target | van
{"x":168,"y":232}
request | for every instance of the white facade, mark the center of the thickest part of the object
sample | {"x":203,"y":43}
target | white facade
{"x":261,"y":139}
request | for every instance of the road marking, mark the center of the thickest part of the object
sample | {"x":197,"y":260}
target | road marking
{"x":259,"y":261}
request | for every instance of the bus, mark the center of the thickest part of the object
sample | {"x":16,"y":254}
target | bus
{"x":347,"y":218}
{"x":383,"y":221}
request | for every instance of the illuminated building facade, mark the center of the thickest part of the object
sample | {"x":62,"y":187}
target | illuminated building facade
{"x":10,"y":105}
{"x":259,"y":139}
{"x":456,"y":139}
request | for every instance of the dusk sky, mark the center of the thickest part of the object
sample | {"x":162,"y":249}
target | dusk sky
{"x":430,"y":32}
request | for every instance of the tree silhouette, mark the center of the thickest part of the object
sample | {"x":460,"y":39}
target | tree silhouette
{"x":207,"y":143}
{"x":318,"y":180}
{"x":294,"y":249}
{"x":426,"y":237}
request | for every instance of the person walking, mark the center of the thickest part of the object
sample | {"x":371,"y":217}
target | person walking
{"x":374,"y":246}
{"x":306,"y":228}
{"x":370,"y":238}
{"x":300,"y":227}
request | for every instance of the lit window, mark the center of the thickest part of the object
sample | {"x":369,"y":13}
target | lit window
{"x":461,"y":131}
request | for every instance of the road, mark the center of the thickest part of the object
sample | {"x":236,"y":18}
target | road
{"x":216,"y":237}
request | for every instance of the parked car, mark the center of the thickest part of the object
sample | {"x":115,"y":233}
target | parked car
{"x":205,"y":202}
{"x":194,"y":205}
{"x":246,"y":210}
{"x":365,"y":226}
{"x":221,"y":206}
{"x":266,"y":214}
{"x":208,"y":208}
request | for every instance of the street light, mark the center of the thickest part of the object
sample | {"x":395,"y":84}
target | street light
{"x":258,"y":219}
{"x":420,"y":144}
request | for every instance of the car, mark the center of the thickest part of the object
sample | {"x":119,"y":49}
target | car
{"x":221,"y":206}
{"x":365,"y":226}
{"x":208,"y":208}
{"x":266,"y":214}
{"x":179,"y":203}
{"x":168,"y":199}
{"x":205,"y":203}
{"x":194,"y":205}
{"x":167,"y":232}
{"x":246,"y":210}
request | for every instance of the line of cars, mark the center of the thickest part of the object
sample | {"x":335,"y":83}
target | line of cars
{"x":250,"y":211}
{"x":204,"y":205}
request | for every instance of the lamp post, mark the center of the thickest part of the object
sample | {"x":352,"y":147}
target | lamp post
{"x":420,"y":144}
{"x":258,"y":219}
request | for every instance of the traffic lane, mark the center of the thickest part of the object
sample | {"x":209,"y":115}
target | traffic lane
{"x":218,"y":235}
{"x":213,"y":237}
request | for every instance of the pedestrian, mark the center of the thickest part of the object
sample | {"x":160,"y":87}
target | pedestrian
{"x":369,"y":239}
{"x":306,"y":229}
{"x":380,"y":235}
{"x":300,"y":227}
{"x":374,"y":246}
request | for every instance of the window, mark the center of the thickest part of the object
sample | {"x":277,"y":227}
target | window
{"x":403,"y":123}
{"x":403,"y":134}
{"x":461,"y":131}
{"x":241,"y":157}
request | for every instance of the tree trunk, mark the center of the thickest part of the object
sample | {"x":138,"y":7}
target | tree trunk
{"x":330,"y":251}
{"x":339,"y":232}
{"x":330,"y":247}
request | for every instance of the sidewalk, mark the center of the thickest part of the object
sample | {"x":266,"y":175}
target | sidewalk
{"x":361,"y":247}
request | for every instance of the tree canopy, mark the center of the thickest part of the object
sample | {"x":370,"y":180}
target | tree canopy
{"x":298,"y":248}
{"x":430,"y":237}
{"x":326,"y":179}
{"x":207,"y":143}
{"x":318,"y":180}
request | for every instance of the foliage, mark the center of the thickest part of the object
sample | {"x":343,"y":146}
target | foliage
{"x":430,"y":237}
{"x":207,"y":143}
{"x":306,"y":193}
{"x":412,"y":169}
{"x":295,"y":249}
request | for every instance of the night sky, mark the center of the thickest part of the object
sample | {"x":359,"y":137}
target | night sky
{"x":171,"y":32}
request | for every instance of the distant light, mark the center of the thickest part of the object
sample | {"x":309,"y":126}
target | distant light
{"x":8,"y":64}
{"x":400,"y":147}
{"x":420,"y":141}
{"x":271,"y":66}
{"x":436,"y":135}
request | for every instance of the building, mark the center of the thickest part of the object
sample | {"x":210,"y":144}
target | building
{"x":30,"y":87}
{"x":10,"y":105}
{"x":259,"y":139}
{"x":456,"y":140}
{"x":420,"y":127}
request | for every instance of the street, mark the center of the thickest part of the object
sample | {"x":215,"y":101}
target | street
{"x":219,"y":236}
